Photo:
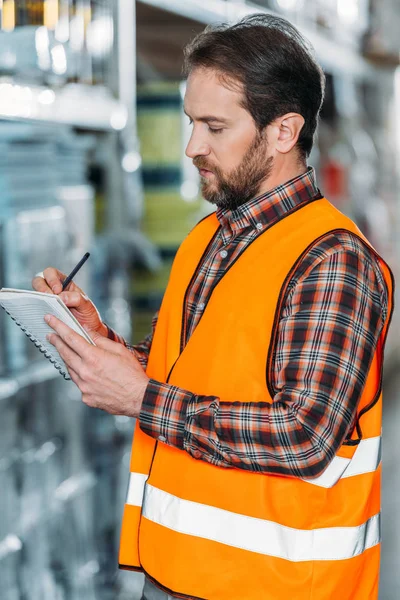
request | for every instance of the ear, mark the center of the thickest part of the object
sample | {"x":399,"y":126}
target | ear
{"x":290,"y":126}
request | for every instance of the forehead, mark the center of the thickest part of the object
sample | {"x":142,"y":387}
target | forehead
{"x":206,"y":92}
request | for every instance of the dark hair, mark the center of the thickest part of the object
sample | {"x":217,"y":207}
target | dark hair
{"x":273,"y":62}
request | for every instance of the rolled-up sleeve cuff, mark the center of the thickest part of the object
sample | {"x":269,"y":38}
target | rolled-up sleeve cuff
{"x":164,"y":411}
{"x":112,"y":335}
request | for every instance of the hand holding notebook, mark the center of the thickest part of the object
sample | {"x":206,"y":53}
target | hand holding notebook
{"x":109,"y":375}
{"x":54,"y":281}
{"x":28,"y":308}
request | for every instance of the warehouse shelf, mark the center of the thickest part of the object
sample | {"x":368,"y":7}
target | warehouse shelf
{"x":68,"y":490}
{"x":34,"y":373}
{"x":334,"y":57}
{"x":79,"y":105}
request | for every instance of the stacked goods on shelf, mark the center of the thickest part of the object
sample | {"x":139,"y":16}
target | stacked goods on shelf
{"x":43,"y":185}
{"x":10,"y":543}
{"x":382,"y":41}
{"x":352,"y":168}
{"x":76,"y":197}
{"x":47,"y":545}
{"x":168,"y":214}
{"x":170,"y":211}
{"x":345,"y":21}
{"x":368,"y":27}
{"x":62,"y":494}
{"x":110,"y":437}
{"x":56,"y":538}
{"x":55,"y":41}
{"x":356,"y":150}
{"x":73,"y":548}
{"x":147,"y":290}
{"x":56,"y":457}
{"x":38,"y":471}
{"x":33,"y":223}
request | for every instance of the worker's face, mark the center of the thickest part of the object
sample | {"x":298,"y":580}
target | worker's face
{"x":225,"y":145}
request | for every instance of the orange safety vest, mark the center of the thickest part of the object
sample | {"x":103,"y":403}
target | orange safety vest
{"x":202,"y":531}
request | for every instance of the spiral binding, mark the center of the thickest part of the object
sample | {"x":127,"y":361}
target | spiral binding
{"x":40,"y":347}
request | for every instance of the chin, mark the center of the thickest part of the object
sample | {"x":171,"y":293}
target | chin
{"x":209,"y":192}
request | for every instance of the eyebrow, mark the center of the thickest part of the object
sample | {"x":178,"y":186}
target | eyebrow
{"x":209,"y":118}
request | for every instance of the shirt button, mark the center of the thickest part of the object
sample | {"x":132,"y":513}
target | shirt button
{"x":162,"y":438}
{"x":259,"y":226}
{"x":197,"y":454}
{"x":201,"y":306}
{"x":223,"y":254}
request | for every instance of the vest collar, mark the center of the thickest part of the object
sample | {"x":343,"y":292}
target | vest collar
{"x":265,"y":210}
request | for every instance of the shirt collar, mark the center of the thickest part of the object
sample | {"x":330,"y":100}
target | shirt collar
{"x":264,"y":210}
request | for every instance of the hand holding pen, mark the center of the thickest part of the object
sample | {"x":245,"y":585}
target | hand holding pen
{"x":53,"y":281}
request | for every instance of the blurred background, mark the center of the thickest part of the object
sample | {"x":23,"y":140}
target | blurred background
{"x":92,"y":139}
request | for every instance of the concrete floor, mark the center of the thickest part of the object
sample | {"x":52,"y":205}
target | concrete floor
{"x":131,"y":583}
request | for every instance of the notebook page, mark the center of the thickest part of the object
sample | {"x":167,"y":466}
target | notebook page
{"x":28,"y":310}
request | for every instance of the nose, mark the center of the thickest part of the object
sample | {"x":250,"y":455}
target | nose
{"x":197,"y":146}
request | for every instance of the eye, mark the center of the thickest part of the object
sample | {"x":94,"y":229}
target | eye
{"x":215,"y":130}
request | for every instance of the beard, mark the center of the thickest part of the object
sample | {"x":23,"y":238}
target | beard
{"x":240,"y":185}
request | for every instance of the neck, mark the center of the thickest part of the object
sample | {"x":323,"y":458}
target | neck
{"x":281,"y":174}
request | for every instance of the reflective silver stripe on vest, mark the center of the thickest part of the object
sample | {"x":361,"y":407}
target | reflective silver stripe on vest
{"x":366,"y":459}
{"x":258,"y":535}
{"x":137,"y":481}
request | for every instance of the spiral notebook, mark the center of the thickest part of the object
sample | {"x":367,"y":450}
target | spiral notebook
{"x":28,"y":308}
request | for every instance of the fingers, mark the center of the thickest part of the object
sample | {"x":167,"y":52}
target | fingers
{"x":39,"y":285}
{"x":51,"y":282}
{"x":71,"y":339}
{"x":75,"y":377}
{"x":71,"y":358}
{"x":73,"y":299}
{"x":104,"y":343}
{"x":54,"y":279}
{"x":83,"y":309}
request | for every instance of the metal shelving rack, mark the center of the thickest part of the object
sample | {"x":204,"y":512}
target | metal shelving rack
{"x":78,"y":105}
{"x":36,"y":372}
{"x":109,"y":112}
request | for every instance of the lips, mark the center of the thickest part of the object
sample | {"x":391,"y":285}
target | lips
{"x":205,"y":172}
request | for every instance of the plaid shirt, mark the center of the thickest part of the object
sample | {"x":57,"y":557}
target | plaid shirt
{"x":330,"y":322}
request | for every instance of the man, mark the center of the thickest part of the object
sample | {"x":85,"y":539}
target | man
{"x":255,"y":464}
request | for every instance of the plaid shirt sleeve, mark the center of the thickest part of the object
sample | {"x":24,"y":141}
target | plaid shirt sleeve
{"x":328,"y":330}
{"x":141,"y":350}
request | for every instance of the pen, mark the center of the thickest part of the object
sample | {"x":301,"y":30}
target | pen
{"x":74,"y":271}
